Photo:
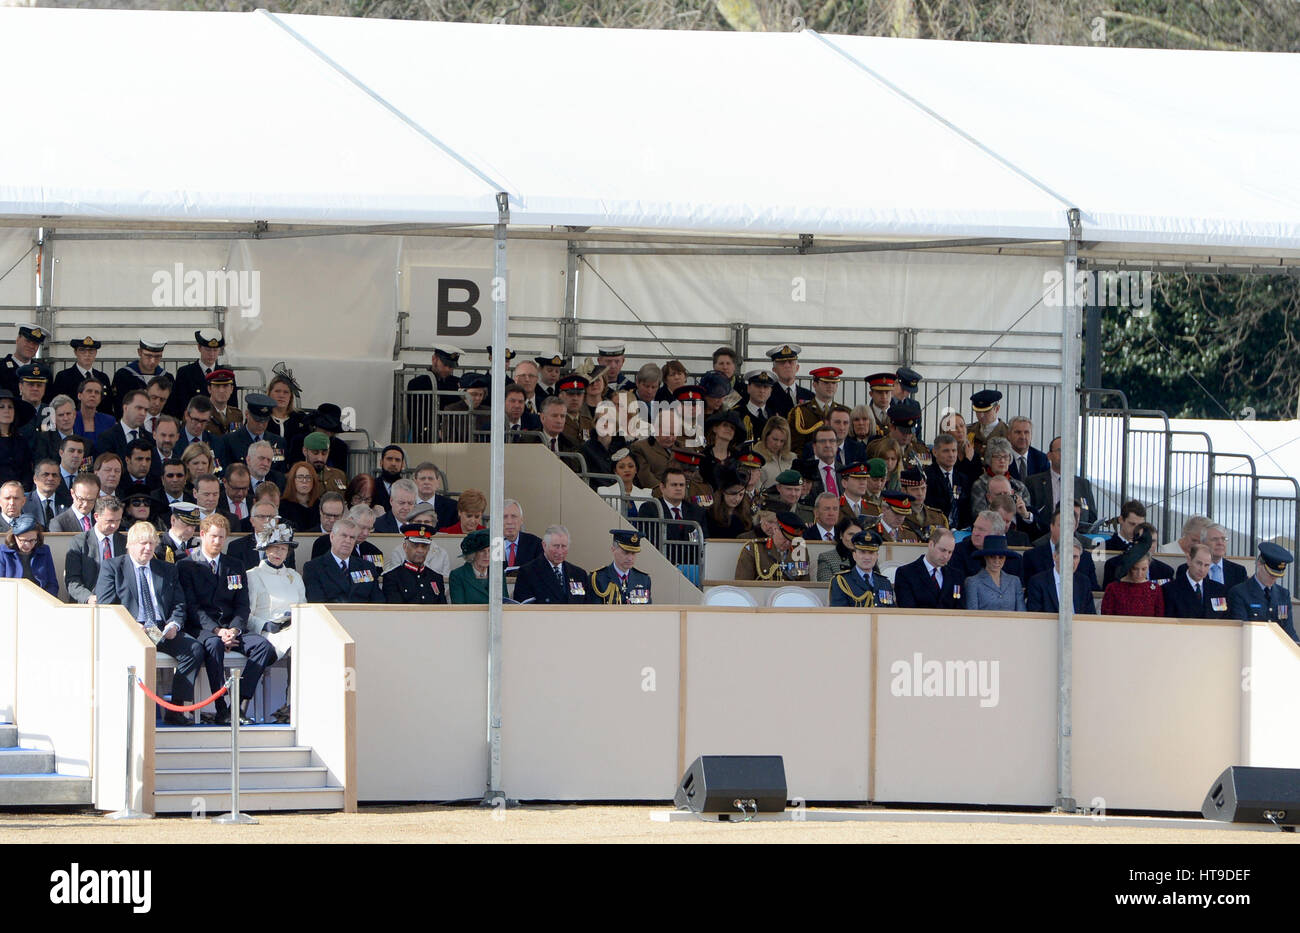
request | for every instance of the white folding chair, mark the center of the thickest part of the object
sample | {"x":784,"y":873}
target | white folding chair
{"x":795,"y":597}
{"x":729,"y":596}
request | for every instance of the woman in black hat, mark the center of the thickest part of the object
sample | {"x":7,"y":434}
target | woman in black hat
{"x":1133,"y":593}
{"x":15,"y":456}
{"x":992,"y":590}
{"x":286,"y":420}
{"x":726,"y":518}
{"x":829,"y":563}
{"x":722,"y":436}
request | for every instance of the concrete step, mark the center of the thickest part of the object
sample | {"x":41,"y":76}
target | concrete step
{"x":8,"y":735}
{"x":277,"y":756}
{"x":249,"y":778}
{"x":25,"y":761}
{"x":34,"y":790}
{"x":216,"y":801}
{"x":219,"y":736}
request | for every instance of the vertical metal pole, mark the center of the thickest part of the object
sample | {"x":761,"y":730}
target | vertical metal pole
{"x":1065,"y":544}
{"x":128,"y":812}
{"x":496,"y":493}
{"x":45,"y":280}
{"x":569,"y":325}
{"x":234,"y":816}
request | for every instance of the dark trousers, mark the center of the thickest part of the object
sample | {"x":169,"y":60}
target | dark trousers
{"x":258,"y":654}
{"x":189,"y":656}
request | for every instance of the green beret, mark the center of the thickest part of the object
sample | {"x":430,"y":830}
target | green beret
{"x":879,"y":469}
{"x":317,"y":440}
{"x":789,"y":478}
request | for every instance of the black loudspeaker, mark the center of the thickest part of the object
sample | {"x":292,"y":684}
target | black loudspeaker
{"x":733,"y":784}
{"x":1255,"y":795}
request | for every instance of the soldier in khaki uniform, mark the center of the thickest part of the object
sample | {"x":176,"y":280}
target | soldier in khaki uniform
{"x":988,"y":425}
{"x":653,"y":454}
{"x":315,"y":450}
{"x":877,"y":475}
{"x":892,"y":524}
{"x":577,"y":423}
{"x":853,"y":486}
{"x":697,"y":490}
{"x":225,"y":417}
{"x":903,"y":418}
{"x":881,"y":386}
{"x":924,"y":518}
{"x":807,"y":417}
{"x":785,"y":497}
{"x":783,"y":556}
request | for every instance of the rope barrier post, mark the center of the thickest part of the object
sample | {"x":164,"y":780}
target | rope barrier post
{"x":127,"y":813}
{"x":234,"y":816}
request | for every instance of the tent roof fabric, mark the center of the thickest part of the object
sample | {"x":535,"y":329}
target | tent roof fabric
{"x":145,"y":116}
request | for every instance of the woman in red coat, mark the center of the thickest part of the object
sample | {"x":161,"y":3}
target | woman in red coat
{"x":1132,"y":594}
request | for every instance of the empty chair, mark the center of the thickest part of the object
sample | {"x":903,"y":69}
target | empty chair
{"x":795,"y":597}
{"x":729,"y":596}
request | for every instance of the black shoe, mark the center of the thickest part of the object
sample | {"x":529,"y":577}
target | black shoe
{"x":176,"y":719}
{"x":223,"y":719}
{"x":245,"y":721}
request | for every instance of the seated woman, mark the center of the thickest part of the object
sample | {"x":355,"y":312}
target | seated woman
{"x":774,"y":447}
{"x":722,"y":435}
{"x":890,"y":451}
{"x":727,"y":517}
{"x":625,"y":469}
{"x":302,"y":489}
{"x":991,"y":590}
{"x":468,"y":583}
{"x":15,"y":455}
{"x":829,"y":563}
{"x":998,"y":455}
{"x":286,"y":420}
{"x":25,"y":555}
{"x":90,"y":422}
{"x":108,"y":467}
{"x":673,"y":376}
{"x":469,"y":508}
{"x":139,"y":508}
{"x":1133,"y":593}
{"x":273,"y":589}
{"x":198,"y":461}
{"x":360,"y":491}
{"x":862,"y":425}
{"x":863,"y":586}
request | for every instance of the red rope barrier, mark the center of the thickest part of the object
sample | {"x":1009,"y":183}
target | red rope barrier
{"x":180,"y":709}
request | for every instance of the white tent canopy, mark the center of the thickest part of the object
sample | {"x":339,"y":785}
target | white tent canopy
{"x":148,"y":116}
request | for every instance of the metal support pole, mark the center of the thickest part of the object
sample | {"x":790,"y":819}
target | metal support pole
{"x":569,"y":326}
{"x":496,"y":497}
{"x":128,"y":812}
{"x":234,"y":816}
{"x":740,"y":343}
{"x":45,"y":280}
{"x":1065,"y":544}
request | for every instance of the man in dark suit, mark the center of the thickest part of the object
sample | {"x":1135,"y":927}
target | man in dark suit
{"x":1263,"y":597}
{"x":192,"y":378}
{"x":428,"y":486}
{"x":946,"y":487}
{"x":1229,"y":573}
{"x":392,"y":462}
{"x":85,"y":493}
{"x":340,"y":576}
{"x":150,"y":591}
{"x":674,"y":508}
{"x":1042,"y":557}
{"x":91,"y":548}
{"x":929,"y":582}
{"x":216,"y":597}
{"x":1159,"y":570}
{"x":194,"y":426}
{"x":1191,"y":594}
{"x":1026,"y":460}
{"x":986,"y":523}
{"x":550,"y":578}
{"x":820,"y":470}
{"x":68,"y":381}
{"x":49,"y":497}
{"x":519,"y":547}
{"x":257,"y":416}
{"x":1132,"y":516}
{"x":1045,"y":589}
{"x":118,"y":438}
{"x":518,"y":417}
{"x":1045,"y":489}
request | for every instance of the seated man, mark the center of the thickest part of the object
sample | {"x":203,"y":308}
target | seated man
{"x":1045,"y":588}
{"x":216,"y":597}
{"x":80,"y":516}
{"x":341,"y":576}
{"x":1263,"y":597}
{"x":863,"y":586}
{"x":777,"y":557}
{"x":244,"y":549}
{"x":428,"y":484}
{"x":401,"y":499}
{"x":550,"y":578}
{"x":90,"y":549}
{"x":48,"y":497}
{"x":929,"y":582}
{"x":151,"y":592}
{"x":412,"y":581}
{"x":436,"y":558}
{"x":519,"y":546}
{"x":619,"y":582}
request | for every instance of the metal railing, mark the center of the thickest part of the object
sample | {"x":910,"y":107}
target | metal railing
{"x":681,"y":542}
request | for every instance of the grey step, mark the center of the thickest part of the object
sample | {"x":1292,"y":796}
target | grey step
{"x":8,"y":736}
{"x":26,"y":761}
{"x":219,"y":736}
{"x":249,"y":778}
{"x":282,"y":756}
{"x":33,"y":790}
{"x":214,"y":801}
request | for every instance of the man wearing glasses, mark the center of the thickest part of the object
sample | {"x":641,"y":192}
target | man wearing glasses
{"x":80,"y":516}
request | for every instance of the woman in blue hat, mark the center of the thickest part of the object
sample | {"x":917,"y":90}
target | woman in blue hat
{"x":26,"y":556}
{"x":992,"y":590}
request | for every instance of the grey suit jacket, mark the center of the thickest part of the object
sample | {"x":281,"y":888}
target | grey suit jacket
{"x":67,"y":521}
{"x":81,"y":565}
{"x":33,"y":506}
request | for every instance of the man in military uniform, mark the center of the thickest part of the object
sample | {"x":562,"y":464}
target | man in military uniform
{"x":986,"y":403}
{"x":654,"y":454}
{"x":1263,"y":597}
{"x":26,"y":345}
{"x":892,"y":524}
{"x":903,"y":419}
{"x":192,"y":378}
{"x":29,"y":407}
{"x":67,"y":381}
{"x":225,"y":416}
{"x":619,"y":582}
{"x":877,"y":476}
{"x":577,"y":424}
{"x":691,"y":412}
{"x":858,"y":587}
{"x":315,"y":450}
{"x":807,"y":417}
{"x":853,"y":490}
{"x":179,"y":540}
{"x":136,"y":374}
{"x":612,"y":356}
{"x":466,"y":429}
{"x":881,"y":387}
{"x":787,"y":393}
{"x":783,"y":556}
{"x":697,"y":490}
{"x":548,"y":374}
{"x":235,"y":446}
{"x":785,"y":497}
{"x":412,"y":582}
{"x":754,"y":410}
{"x":924,"y":518}
{"x":909,"y":381}
{"x":420,"y":408}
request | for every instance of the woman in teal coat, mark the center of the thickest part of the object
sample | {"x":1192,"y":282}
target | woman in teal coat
{"x":468,"y":583}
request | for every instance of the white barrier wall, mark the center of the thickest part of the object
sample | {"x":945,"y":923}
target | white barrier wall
{"x":324,"y":707}
{"x":1270,"y":698}
{"x":120,"y":643}
{"x":8,"y":650}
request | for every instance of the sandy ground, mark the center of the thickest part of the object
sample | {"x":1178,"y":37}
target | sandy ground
{"x":556,"y":823}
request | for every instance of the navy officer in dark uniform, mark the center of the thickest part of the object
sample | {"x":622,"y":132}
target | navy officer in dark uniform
{"x":420,"y":408}
{"x":619,"y":582}
{"x":192,"y":378}
{"x":67,"y":381}
{"x":412,"y":581}
{"x":909,"y":381}
{"x":1262,"y":597}
{"x":234,"y":446}
{"x":137,"y":373}
{"x":26,"y":345}
{"x":863,"y":586}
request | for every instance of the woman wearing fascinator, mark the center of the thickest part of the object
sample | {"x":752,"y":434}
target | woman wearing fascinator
{"x":273,"y":589}
{"x":286,"y":420}
{"x":1133,"y":593}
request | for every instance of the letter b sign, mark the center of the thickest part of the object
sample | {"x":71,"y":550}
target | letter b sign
{"x":447,"y":306}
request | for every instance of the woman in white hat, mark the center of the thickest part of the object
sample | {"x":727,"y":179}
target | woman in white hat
{"x":273,"y":589}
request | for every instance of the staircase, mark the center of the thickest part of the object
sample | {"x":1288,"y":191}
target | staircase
{"x":28,"y":779}
{"x":192,"y":771}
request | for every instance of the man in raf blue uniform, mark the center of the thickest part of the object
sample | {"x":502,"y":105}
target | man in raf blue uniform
{"x":863,"y":586}
{"x":412,"y":582}
{"x":26,"y":345}
{"x":234,"y":446}
{"x":1262,"y":597}
{"x":136,"y":374}
{"x":620,"y":583}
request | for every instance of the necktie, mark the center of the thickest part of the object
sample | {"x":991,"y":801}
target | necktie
{"x":934,"y":575}
{"x":1023,"y":470}
{"x":510,"y":554}
{"x":559,"y":575}
{"x":830,"y":480}
{"x":85,"y":523}
{"x":132,"y":434}
{"x":49,"y":512}
{"x":677,"y":513}
{"x":1216,"y":573}
{"x":829,"y":536}
{"x":553,"y":443}
{"x":108,"y":549}
{"x":214,"y":568}
{"x":146,"y":597}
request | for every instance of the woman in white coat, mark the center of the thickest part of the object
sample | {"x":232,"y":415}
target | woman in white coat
{"x":273,"y":589}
